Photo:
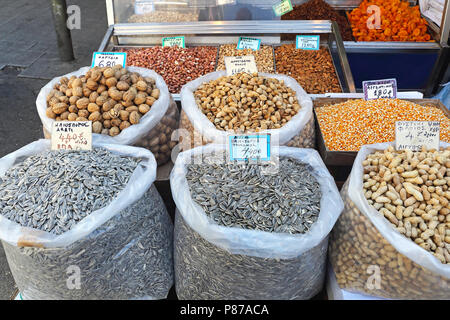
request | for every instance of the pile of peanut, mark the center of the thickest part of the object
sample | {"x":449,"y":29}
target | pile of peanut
{"x":263,"y":57}
{"x":245,"y":102}
{"x":112,"y":98}
{"x":364,"y":261}
{"x":411,"y":190}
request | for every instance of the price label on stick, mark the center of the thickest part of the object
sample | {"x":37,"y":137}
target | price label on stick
{"x":282,"y":7}
{"x":109,"y":59}
{"x":376,"y":89}
{"x":307,"y":42}
{"x":240,"y":64}
{"x":249,"y":147}
{"x":248,"y":43}
{"x":413,"y":135}
{"x":72,"y":135}
{"x":174,"y":41}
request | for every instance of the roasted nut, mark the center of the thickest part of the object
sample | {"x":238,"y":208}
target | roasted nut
{"x":141,"y":85}
{"x":72,"y":116}
{"x":97,"y":127}
{"x":49,"y":113}
{"x":111,"y":82}
{"x":123,"y":86}
{"x":143,"y":108}
{"x":115,"y":122}
{"x":82,"y":103}
{"x":114,"y":131}
{"x":134,"y":117}
{"x":93,"y":107}
{"x":108,"y":73}
{"x":60,"y":108}
{"x":123,"y":114}
{"x":95,"y":116}
{"x":140,"y":98}
{"x":83,"y":113}
{"x":124,"y":125}
{"x":100,"y":97}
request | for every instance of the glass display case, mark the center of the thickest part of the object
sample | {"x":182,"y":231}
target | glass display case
{"x":416,"y":65}
{"x":138,"y":38}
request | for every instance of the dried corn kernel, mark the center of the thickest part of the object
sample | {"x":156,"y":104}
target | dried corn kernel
{"x":348,"y":126}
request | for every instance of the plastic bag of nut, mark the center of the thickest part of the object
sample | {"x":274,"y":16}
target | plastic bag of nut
{"x":370,"y":255}
{"x":298,"y":130}
{"x":226,"y":260}
{"x":118,"y":248}
{"x":136,"y":134}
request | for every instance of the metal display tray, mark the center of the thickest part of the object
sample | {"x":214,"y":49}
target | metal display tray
{"x":221,"y":32}
{"x":346,"y":158}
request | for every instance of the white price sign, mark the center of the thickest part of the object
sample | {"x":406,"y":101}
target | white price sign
{"x":413,"y":135}
{"x":240,"y":64}
{"x":307,"y":42}
{"x":72,"y":135}
{"x":376,"y":89}
{"x":109,"y":59}
{"x":253,"y":147}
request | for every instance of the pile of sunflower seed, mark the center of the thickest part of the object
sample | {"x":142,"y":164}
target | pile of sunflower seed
{"x":241,"y":195}
{"x":53,"y":190}
{"x":128,"y":257}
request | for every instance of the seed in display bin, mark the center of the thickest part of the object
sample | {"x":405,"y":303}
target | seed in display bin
{"x":240,"y":64}
{"x":109,"y":59}
{"x":72,"y":135}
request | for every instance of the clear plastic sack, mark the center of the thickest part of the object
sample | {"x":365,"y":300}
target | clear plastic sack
{"x":159,"y":112}
{"x":217,"y":262}
{"x":298,"y":132}
{"x":121,"y":251}
{"x":369,"y":256}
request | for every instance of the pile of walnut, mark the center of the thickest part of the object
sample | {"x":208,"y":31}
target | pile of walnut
{"x":112,"y":98}
{"x":245,"y":102}
{"x":412,"y":190}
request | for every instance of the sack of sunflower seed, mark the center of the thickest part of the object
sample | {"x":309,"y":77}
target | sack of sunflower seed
{"x":244,"y":233}
{"x":85,"y":224}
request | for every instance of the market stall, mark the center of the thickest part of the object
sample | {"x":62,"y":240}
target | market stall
{"x":406,"y":46}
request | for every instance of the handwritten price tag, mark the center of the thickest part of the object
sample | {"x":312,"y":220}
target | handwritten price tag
{"x":173,"y":41}
{"x":248,"y":43}
{"x":307,"y":42}
{"x":109,"y":59}
{"x":72,"y":135}
{"x":283,"y":7}
{"x":249,"y":147}
{"x":413,"y":135}
{"x":240,"y":64}
{"x":377,"y":89}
